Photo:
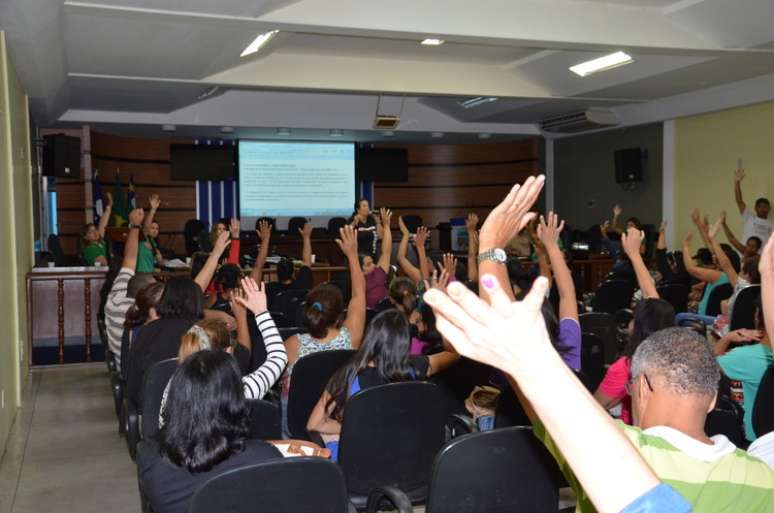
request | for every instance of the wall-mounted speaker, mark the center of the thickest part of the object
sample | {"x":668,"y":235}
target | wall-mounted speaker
{"x":628,"y":165}
{"x":61,"y":156}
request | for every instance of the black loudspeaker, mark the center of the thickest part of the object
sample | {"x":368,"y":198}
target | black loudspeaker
{"x":62,"y":156}
{"x":628,"y":165}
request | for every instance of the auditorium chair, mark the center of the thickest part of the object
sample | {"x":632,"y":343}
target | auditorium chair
{"x":726,"y":419}
{"x":281,"y":320}
{"x":592,"y":359}
{"x":613,"y":295}
{"x":743,"y":313}
{"x":295,"y":224}
{"x":390,"y":435}
{"x":412,"y":222}
{"x":155,"y":380}
{"x":334,"y":224}
{"x":676,"y":294}
{"x":458,"y":381}
{"x":718,"y":294}
{"x":304,"y":484}
{"x":604,"y":326}
{"x":763,"y":409}
{"x":501,"y":470}
{"x":287,"y":300}
{"x":310,"y":376}
{"x":265,"y":421}
{"x":192,"y":232}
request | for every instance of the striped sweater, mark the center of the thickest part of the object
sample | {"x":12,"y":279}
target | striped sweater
{"x":115,"y":311}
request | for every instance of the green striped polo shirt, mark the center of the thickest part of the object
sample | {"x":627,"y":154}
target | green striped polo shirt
{"x":715,"y":478}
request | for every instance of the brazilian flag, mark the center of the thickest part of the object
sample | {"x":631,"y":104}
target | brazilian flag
{"x":120,"y":214}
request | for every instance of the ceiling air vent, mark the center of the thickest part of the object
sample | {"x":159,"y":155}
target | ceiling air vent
{"x":591,"y":119}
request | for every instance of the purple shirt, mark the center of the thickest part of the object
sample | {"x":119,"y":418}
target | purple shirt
{"x":570,"y":342}
{"x":376,"y":289}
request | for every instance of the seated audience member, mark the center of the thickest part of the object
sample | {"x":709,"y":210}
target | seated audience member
{"x":368,"y":230}
{"x":751,"y":247}
{"x":756,"y":224}
{"x":746,"y":363}
{"x":205,"y":433}
{"x":566,"y":331}
{"x":739,"y":276}
{"x":376,"y":273}
{"x":181,"y":305}
{"x":513,"y":338}
{"x":414,"y":273}
{"x":382,"y":358}
{"x":622,"y":268}
{"x":213,"y":335}
{"x":142,"y":312}
{"x":125,"y":287}
{"x":95,"y":249}
{"x":287,"y":277}
{"x":324,"y":306}
{"x":669,"y":265}
{"x":226,"y":280}
{"x":149,"y":255}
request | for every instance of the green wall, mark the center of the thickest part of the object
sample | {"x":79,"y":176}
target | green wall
{"x":707,"y":148}
{"x":16,"y":241}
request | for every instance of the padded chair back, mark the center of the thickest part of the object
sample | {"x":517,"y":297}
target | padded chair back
{"x":459,"y":380}
{"x":281,"y":320}
{"x":55,"y":247}
{"x":370,"y":314}
{"x":592,"y":359}
{"x":310,"y":376}
{"x":390,"y":435}
{"x":763,"y":412}
{"x":305,"y":484}
{"x":334,"y":224}
{"x":295,"y":224}
{"x":412,"y":222}
{"x":717,"y":295}
{"x":743,"y":313}
{"x":509,"y":411}
{"x":726,"y":419}
{"x":192,"y":232}
{"x":613,"y":295}
{"x":605,"y":327}
{"x":384,"y":304}
{"x":265,"y":423}
{"x":501,"y":470}
{"x":156,"y":378}
{"x":286,"y":333}
{"x":676,"y":294}
{"x":287,"y":300}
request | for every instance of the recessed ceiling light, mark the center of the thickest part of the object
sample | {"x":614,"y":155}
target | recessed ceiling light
{"x":603,"y":63}
{"x":484,"y":136}
{"x":436,"y":135}
{"x":475,"y":102}
{"x":283,"y":131}
{"x":430,"y":41}
{"x":334,"y":132}
{"x":168,"y":128}
{"x":258,"y":42}
{"x":227,"y":129}
{"x":388,"y":133}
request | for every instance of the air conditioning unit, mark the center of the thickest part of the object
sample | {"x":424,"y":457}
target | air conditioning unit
{"x":386,"y":122}
{"x":580,"y":121}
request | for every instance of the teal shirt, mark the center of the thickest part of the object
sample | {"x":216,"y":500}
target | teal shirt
{"x":93,"y":251}
{"x":747,"y":364}
{"x":146,"y":258}
{"x":702,"y":310}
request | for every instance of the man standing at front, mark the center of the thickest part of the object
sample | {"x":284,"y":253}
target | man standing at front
{"x":755,"y":223}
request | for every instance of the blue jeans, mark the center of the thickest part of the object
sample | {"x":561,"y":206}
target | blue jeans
{"x":485,"y":423}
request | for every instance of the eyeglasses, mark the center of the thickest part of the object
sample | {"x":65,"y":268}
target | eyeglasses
{"x":628,"y":385}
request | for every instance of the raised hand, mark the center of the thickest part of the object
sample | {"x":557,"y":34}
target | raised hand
{"x":617,"y":210}
{"x":715,"y":227}
{"x":136,"y":216}
{"x":306,"y":231}
{"x":722,"y":217}
{"x":511,"y":216}
{"x":154,"y":202}
{"x":109,"y":198}
{"x":471,"y":223}
{"x":662,"y":227}
{"x":421,"y":237}
{"x":440,"y":279}
{"x":403,"y":228}
{"x":347,"y":241}
{"x":238,"y":308}
{"x":264,"y":231}
{"x":255,"y":296}
{"x":498,"y":335}
{"x":449,"y":264}
{"x":696,"y":216}
{"x":234,"y":228}
{"x":744,"y":335}
{"x":687,"y":240}
{"x":739,"y":175}
{"x":705,"y":224}
{"x":548,"y":232}
{"x":631,"y":240}
{"x":604,"y":228}
{"x":386,"y":216}
{"x":224,"y":239}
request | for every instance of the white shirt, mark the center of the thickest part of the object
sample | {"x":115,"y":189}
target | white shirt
{"x":763,"y":449}
{"x":754,"y":225}
{"x":720,"y":447}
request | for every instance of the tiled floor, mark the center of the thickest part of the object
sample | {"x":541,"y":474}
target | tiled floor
{"x":64,"y":452}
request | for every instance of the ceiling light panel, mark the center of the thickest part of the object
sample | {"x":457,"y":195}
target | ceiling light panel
{"x":431,"y":41}
{"x":258,"y":42}
{"x":603,"y":63}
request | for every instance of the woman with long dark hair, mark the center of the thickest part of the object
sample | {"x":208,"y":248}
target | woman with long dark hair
{"x":205,"y":433}
{"x":364,"y":223}
{"x":382,"y":358}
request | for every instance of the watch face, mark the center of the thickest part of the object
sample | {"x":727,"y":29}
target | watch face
{"x":500,"y":255}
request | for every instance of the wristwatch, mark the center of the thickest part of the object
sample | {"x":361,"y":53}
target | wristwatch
{"x":134,"y":226}
{"x":496,"y":255}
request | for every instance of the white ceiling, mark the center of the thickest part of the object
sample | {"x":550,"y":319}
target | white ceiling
{"x":148,"y":62}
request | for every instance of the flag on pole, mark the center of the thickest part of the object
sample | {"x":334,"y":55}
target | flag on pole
{"x":119,"y":205}
{"x":96,"y":196}
{"x":130,"y":196}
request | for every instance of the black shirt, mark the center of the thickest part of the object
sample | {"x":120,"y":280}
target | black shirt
{"x":302,"y":281}
{"x":158,"y":340}
{"x":366,"y":235}
{"x":169,"y":488}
